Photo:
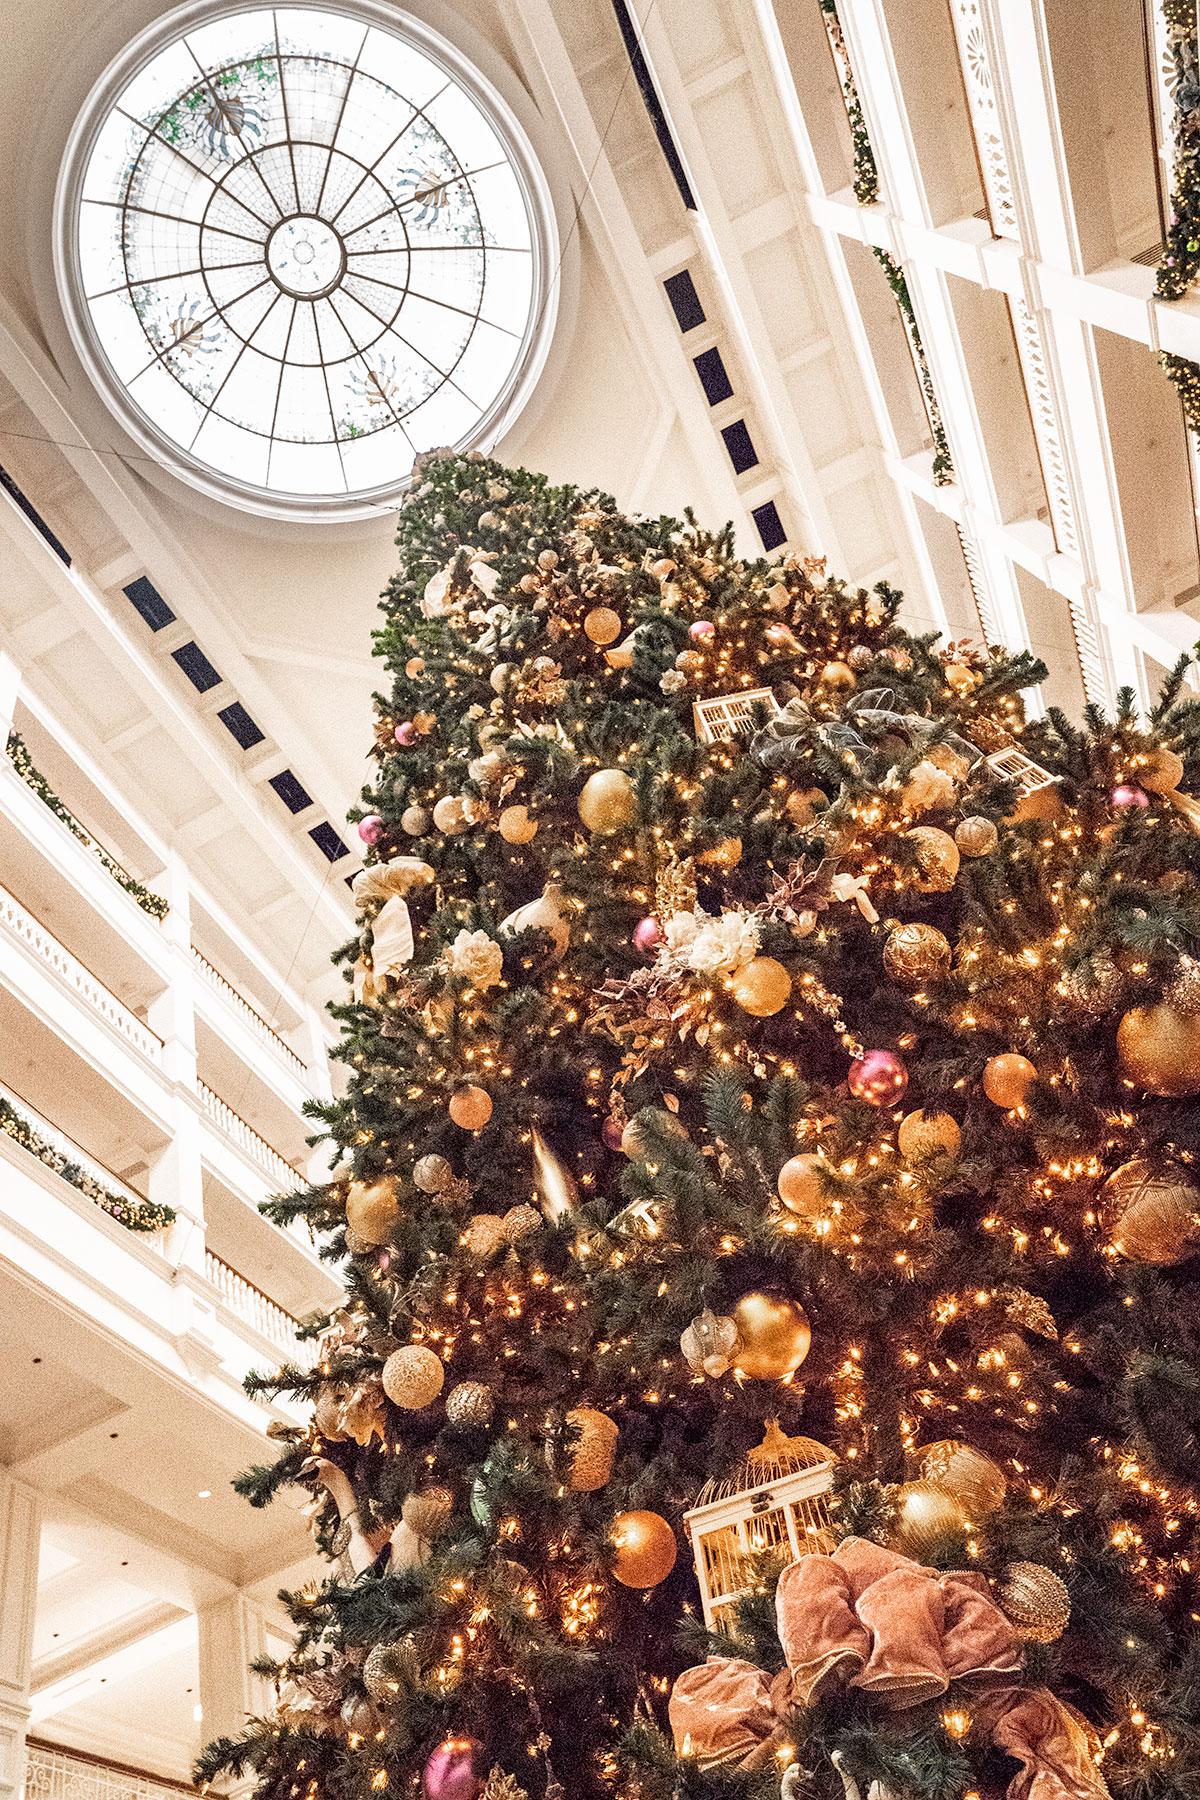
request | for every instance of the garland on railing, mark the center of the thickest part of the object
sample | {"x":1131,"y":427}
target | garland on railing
{"x":32,"y":776}
{"x":943,"y":463}
{"x":866,"y":174}
{"x":1180,"y":266}
{"x":134,"y":1215}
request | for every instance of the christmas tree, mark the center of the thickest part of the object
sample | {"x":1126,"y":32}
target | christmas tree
{"x":772,"y":1074}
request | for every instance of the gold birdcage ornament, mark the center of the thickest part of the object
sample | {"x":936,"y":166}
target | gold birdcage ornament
{"x":775,"y":1502}
{"x":725,"y":715}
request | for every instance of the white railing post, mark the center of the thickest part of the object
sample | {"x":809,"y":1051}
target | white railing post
{"x":20,"y":1539}
{"x":176,"y":1179}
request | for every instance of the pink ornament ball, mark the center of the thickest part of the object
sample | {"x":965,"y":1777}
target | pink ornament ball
{"x":450,"y":1773}
{"x":1128,"y":795}
{"x":406,"y":734}
{"x":701,"y":630}
{"x":648,"y":935}
{"x":370,"y":829}
{"x":879,"y":1078}
{"x":611,"y":1132}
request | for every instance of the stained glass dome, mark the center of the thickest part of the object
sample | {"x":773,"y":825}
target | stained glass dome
{"x":299,"y":245}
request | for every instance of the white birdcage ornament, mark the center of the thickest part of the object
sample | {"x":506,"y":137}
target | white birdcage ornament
{"x":724,"y":715}
{"x":1013,"y":765}
{"x":775,"y":1502}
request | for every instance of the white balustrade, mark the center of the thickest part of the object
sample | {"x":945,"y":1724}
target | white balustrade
{"x":247,"y":1139}
{"x":253,"y":1018}
{"x":254,"y":1309}
{"x":54,"y":1774}
{"x":33,"y":934}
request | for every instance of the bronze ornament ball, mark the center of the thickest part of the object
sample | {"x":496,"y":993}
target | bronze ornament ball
{"x":372,"y":1208}
{"x":521,"y":1222}
{"x":1036,"y":1600}
{"x":925,"y":1133}
{"x":937,"y":858}
{"x":838,"y":675}
{"x":1007,"y":1079}
{"x":471,"y":1108}
{"x":916,"y":953}
{"x":415,"y":820}
{"x":608,"y":802}
{"x":1150,"y":1213}
{"x":515,"y":825}
{"x":485,"y":1234}
{"x":761,"y":986}
{"x":976,"y":836}
{"x":412,"y":1377}
{"x":1162,"y":772}
{"x":1159,"y":1049}
{"x":801,"y":1187}
{"x":959,"y":1469}
{"x":450,"y":816}
{"x":646,"y":1549}
{"x":591,"y":1456}
{"x":432,"y":1174}
{"x":470,"y":1403}
{"x":725,"y":855}
{"x":602,"y":625}
{"x":775,"y":1336}
{"x":925,"y":1513}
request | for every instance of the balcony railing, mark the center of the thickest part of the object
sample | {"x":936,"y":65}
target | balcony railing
{"x":254,"y":1019}
{"x":33,"y":934}
{"x":246,"y":1138}
{"x":253,"y":1307}
{"x":54,"y":1774}
{"x":34,"y":1132}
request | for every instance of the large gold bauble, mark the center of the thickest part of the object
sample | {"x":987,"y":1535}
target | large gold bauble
{"x":607,"y":802}
{"x":916,"y":953}
{"x":761,"y":986}
{"x":838,"y":675}
{"x":1150,"y":1213}
{"x":937,"y":858}
{"x":801,"y":1185}
{"x":449,"y":815}
{"x":972,"y":1478}
{"x":925,"y":1513}
{"x":976,"y":836}
{"x":602,"y":625}
{"x":591,"y":1457}
{"x":1161,"y":773}
{"x":646,"y":1549}
{"x":412,"y":1377}
{"x":372,"y":1208}
{"x":1007,"y":1079}
{"x":1159,"y":1047}
{"x":515,"y":825}
{"x":775,"y":1336}
{"x":471,"y":1108}
{"x":924,"y":1134}
{"x":1036,"y":1600}
{"x":961,"y":677}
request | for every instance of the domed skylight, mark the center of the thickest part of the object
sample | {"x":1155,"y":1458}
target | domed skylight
{"x":299,"y":245}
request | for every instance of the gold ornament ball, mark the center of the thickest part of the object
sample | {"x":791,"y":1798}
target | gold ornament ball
{"x":449,"y":815}
{"x":1007,"y":1079}
{"x":1150,"y":1213}
{"x":1036,"y":1600}
{"x":804,"y":804}
{"x":646,"y":1549}
{"x":937,"y":859}
{"x":485,"y":1234}
{"x":414,"y":666}
{"x":412,"y":1377}
{"x":925,"y":1513}
{"x":924,"y":1134}
{"x":593,"y":1449}
{"x":607,"y":802}
{"x":801,"y":1187}
{"x":976,"y":836}
{"x":432,"y":1174}
{"x":471,"y":1108}
{"x":1159,"y":1048}
{"x":470,"y":1403}
{"x":359,"y":1716}
{"x":428,"y":1512}
{"x":515,"y":825}
{"x":961,"y":678}
{"x":602,"y":625}
{"x":838,"y":675}
{"x":966,"y":1473}
{"x":521,"y":1221}
{"x":633,"y":1140}
{"x":389,"y":1668}
{"x":761,"y":986}
{"x":725,"y":855}
{"x":916,"y":953}
{"x":1162,"y":772}
{"x":372,"y":1208}
{"x":415,"y":820}
{"x":775,"y":1336}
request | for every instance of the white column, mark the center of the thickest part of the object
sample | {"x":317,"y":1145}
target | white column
{"x":20,"y":1542}
{"x":233,"y":1631}
{"x":10,"y":687}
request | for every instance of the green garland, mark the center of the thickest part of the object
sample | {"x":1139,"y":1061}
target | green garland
{"x":1180,"y":266}
{"x":134,"y":1215}
{"x":943,"y":463}
{"x":866,"y":174}
{"x":18,"y":755}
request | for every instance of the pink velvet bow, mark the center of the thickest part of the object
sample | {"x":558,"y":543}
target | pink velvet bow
{"x":869,"y":1618}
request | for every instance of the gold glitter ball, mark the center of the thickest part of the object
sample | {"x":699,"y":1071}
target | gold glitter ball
{"x":1036,"y":1600}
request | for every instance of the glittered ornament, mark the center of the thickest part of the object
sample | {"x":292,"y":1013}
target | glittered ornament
{"x":775,"y":1336}
{"x":925,"y":1513}
{"x":860,"y":658}
{"x":976,"y":836}
{"x":521,"y":1222}
{"x":1125,"y":795}
{"x":470,"y":1403}
{"x":612,"y":1132}
{"x":470,"y":1108}
{"x":602,"y":625}
{"x":591,"y":1455}
{"x":412,"y":1377}
{"x":647,"y":935}
{"x":646,"y":1549}
{"x":972,"y":1478}
{"x":1007,"y":1079}
{"x":389,"y":1670}
{"x":358,"y":1246}
{"x":879,"y":1077}
{"x":725,"y":855}
{"x":1184,"y":991}
{"x":1150,"y":1212}
{"x":427,"y":1513}
{"x":710,"y":1343}
{"x":1159,"y":1049}
{"x":432,"y":1174}
{"x":515,"y":825}
{"x":923,"y":1134}
{"x":1162,"y":771}
{"x":1036,"y":1600}
{"x":803,"y":806}
{"x":1094,"y":986}
{"x":937,"y":858}
{"x":837,"y":675}
{"x":415,"y":820}
{"x":607,"y":802}
{"x":372,"y":1208}
{"x":802,"y":1185}
{"x":449,"y":815}
{"x":456,"y":1770}
{"x":485,"y":1234}
{"x":761,"y":986}
{"x":370,"y":829}
{"x":916,"y":953}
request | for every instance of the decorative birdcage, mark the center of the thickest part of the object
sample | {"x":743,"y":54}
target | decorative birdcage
{"x":775,"y":1502}
{"x":724,"y":715}
{"x":1032,"y":780}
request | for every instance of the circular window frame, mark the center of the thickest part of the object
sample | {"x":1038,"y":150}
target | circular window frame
{"x":300,"y":508}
